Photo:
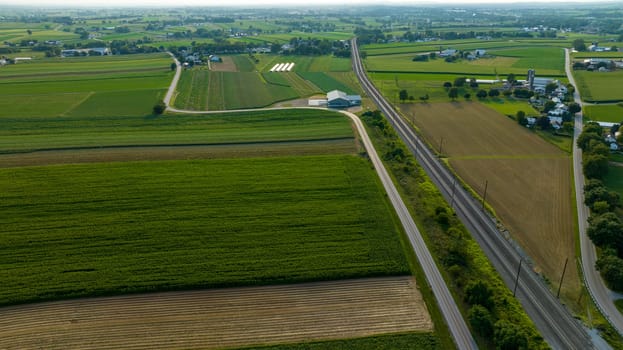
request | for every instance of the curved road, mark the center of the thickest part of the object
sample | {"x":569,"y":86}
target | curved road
{"x":462,"y":336}
{"x":602,"y":296}
{"x":552,"y":319}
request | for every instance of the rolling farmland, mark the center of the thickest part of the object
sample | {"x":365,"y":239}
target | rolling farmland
{"x":214,"y":319}
{"x":94,"y":86}
{"x":528,"y":179}
{"x":114,"y":228}
{"x":36,"y":134}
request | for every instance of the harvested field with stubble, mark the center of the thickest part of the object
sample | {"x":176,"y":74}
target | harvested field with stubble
{"x":528,"y":179}
{"x":221,"y":318}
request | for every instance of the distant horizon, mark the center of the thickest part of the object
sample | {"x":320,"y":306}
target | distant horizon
{"x":279,"y":3}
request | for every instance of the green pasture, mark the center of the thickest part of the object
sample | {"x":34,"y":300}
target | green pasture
{"x":112,"y":85}
{"x":422,"y":84}
{"x":509,"y":106}
{"x":84,"y":65}
{"x":484,"y":66}
{"x":463,"y":45}
{"x":247,"y":90}
{"x":116,"y":228}
{"x":543,"y":59}
{"x":614,"y":179}
{"x":604,"y":113}
{"x":608,"y":54}
{"x":326,"y":63}
{"x":243,"y":63}
{"x":600,"y":86}
{"x":19,"y":134}
{"x":326,"y":82}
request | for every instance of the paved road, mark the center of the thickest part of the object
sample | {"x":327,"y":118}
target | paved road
{"x":462,"y":336}
{"x":552,"y":319}
{"x":602,"y":296}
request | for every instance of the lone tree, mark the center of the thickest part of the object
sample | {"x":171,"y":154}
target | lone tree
{"x":447,"y":85}
{"x":159,"y":108}
{"x":579,"y":45}
{"x":403,"y":95}
{"x":481,"y":94}
{"x":29,"y":32}
{"x":511,"y":79}
{"x":173,"y":66}
{"x":574,"y":108}
{"x":453,"y":93}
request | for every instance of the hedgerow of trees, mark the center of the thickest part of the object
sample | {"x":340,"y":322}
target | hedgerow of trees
{"x":605,"y":227}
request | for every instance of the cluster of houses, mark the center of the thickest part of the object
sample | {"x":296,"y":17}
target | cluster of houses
{"x":474,"y":55}
{"x":92,"y":51}
{"x":599,"y":64}
{"x":190,"y":58}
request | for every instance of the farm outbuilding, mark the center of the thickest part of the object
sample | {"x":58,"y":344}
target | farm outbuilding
{"x":339,"y":99}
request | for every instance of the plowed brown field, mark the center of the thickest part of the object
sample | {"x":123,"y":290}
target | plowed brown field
{"x":529,"y":180}
{"x":220,"y":318}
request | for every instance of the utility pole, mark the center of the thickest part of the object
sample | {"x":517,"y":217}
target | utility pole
{"x":562,"y":277}
{"x":517,"y":278}
{"x":484,"y":196}
{"x":440,"y":146}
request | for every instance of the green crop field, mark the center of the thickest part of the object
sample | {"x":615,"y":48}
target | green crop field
{"x":604,"y":113}
{"x":29,"y":134}
{"x":600,"y":86}
{"x":326,"y":82}
{"x":543,"y":59}
{"x":111,"y":85}
{"x":243,"y":63}
{"x":420,"y":341}
{"x":193,"y":90}
{"x":247,"y":90}
{"x":209,"y":90}
{"x":114,"y":228}
{"x":324,"y":63}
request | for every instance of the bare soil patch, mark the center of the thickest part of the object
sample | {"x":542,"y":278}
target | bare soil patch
{"x":124,"y":154}
{"x":529,"y":180}
{"x":227,"y":65}
{"x":220,"y":318}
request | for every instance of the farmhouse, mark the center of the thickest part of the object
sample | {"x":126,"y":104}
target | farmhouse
{"x":447,"y":53}
{"x":339,"y":99}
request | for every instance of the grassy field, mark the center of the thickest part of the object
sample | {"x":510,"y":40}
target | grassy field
{"x":22,"y":134}
{"x":464,"y":45}
{"x":115,"y":228}
{"x":88,"y":86}
{"x":604,"y":113}
{"x":326,"y":82}
{"x":600,"y":86}
{"x":614,"y":179}
{"x":420,"y":341}
{"x":504,"y":59}
{"x":484,"y":146}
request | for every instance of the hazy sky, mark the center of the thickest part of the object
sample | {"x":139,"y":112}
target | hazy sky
{"x":179,"y":3}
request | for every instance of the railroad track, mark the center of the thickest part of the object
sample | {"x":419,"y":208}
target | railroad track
{"x":552,"y":319}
